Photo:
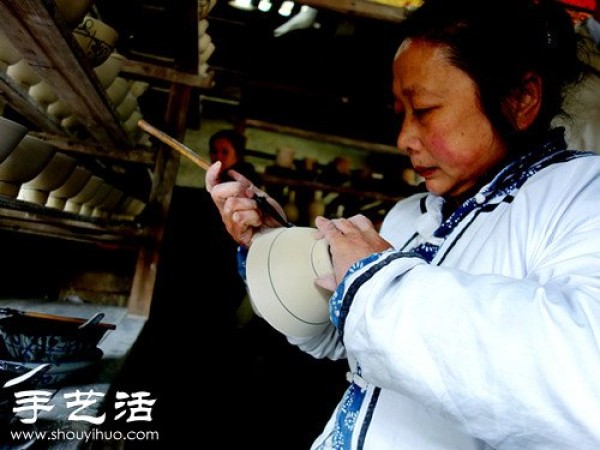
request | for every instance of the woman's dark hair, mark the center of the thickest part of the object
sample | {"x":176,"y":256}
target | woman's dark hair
{"x":238,"y":141}
{"x":496,"y":42}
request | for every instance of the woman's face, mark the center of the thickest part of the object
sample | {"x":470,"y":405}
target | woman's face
{"x":450,"y":141}
{"x":223,"y":151}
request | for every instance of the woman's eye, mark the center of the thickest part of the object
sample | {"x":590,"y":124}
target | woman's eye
{"x":420,"y":112}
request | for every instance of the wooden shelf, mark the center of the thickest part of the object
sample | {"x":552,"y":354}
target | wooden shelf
{"x":36,"y":29}
{"x":327,"y":188}
{"x":57,"y":224}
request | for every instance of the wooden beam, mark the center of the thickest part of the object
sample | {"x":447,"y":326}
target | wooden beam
{"x":34,"y":219}
{"x":71,"y":145}
{"x":313,"y":135}
{"x":166,"y":74}
{"x":165,"y":174}
{"x":364,"y":8}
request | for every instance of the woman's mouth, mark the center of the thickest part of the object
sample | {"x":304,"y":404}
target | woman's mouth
{"x":424,"y":171}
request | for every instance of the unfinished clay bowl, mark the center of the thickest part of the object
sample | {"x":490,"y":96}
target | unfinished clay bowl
{"x":72,"y":186}
{"x":281,"y":269}
{"x":12,"y":133}
{"x":51,"y":177}
{"x":26,"y":161}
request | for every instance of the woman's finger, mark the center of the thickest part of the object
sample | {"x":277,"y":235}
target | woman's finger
{"x":211,"y":178}
{"x":362,"y":222}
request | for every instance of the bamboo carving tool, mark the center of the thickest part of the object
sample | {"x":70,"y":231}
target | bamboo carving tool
{"x":174,"y":144}
{"x":183,"y":149}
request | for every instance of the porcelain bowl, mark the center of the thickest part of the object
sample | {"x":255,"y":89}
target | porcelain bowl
{"x":108,"y":71}
{"x":96,"y":38}
{"x":12,"y":133}
{"x":22,"y":73}
{"x":281,"y":269}
{"x":72,"y":186}
{"x":27,"y":160}
{"x":73,"y":204}
{"x":51,"y":177}
{"x":43,"y":93}
{"x":35,"y":339}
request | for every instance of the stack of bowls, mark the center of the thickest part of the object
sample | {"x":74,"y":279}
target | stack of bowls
{"x":75,"y":203}
{"x":51,"y":177}
{"x":12,"y":133}
{"x":27,"y":160}
{"x":71,"y":187}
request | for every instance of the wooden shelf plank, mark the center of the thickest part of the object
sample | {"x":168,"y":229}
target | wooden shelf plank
{"x":28,"y":218}
{"x":141,"y":155}
{"x":166,"y":74}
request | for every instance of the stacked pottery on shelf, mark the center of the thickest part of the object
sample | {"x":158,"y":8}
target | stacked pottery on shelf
{"x":205,"y":45}
{"x":12,"y":133}
{"x":75,"y":182}
{"x":51,"y":177}
{"x":75,"y":203}
{"x":27,"y":160}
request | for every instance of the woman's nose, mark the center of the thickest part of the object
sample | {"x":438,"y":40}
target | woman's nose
{"x":406,"y":139}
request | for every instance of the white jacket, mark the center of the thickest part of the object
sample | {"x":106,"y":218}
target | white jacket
{"x":495,"y":344}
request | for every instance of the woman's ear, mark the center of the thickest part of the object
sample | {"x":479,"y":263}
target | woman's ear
{"x":523,"y":105}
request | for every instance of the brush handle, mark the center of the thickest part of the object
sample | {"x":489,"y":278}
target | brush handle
{"x":40,"y":315}
{"x":174,"y":144}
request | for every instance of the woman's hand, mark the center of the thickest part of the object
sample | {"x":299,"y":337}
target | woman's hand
{"x":239,"y":212}
{"x":350,"y":240}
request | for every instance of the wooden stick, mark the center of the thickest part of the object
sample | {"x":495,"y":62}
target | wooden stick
{"x":41,"y":315}
{"x":174,"y":144}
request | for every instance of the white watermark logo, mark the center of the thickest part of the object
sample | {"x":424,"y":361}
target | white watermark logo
{"x":134,"y":407}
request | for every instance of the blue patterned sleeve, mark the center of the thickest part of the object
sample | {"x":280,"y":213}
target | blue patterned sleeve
{"x":242,"y":255}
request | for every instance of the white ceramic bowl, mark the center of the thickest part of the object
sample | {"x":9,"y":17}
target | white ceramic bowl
{"x":59,"y":109}
{"x":73,"y":204}
{"x":108,"y":71}
{"x":127,"y":106}
{"x":22,"y":72}
{"x":281,"y":269}
{"x":26,"y":161}
{"x":101,"y":193}
{"x":43,"y":93}
{"x":72,"y":186}
{"x":52,"y":176}
{"x":12,"y":133}
{"x":117,"y":90}
{"x":96,"y":38}
{"x":128,"y":208}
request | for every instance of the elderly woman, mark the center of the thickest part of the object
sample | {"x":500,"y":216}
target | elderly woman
{"x":471,"y":320}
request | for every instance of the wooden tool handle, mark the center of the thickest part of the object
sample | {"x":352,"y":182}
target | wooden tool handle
{"x":40,"y":315}
{"x":174,"y":144}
